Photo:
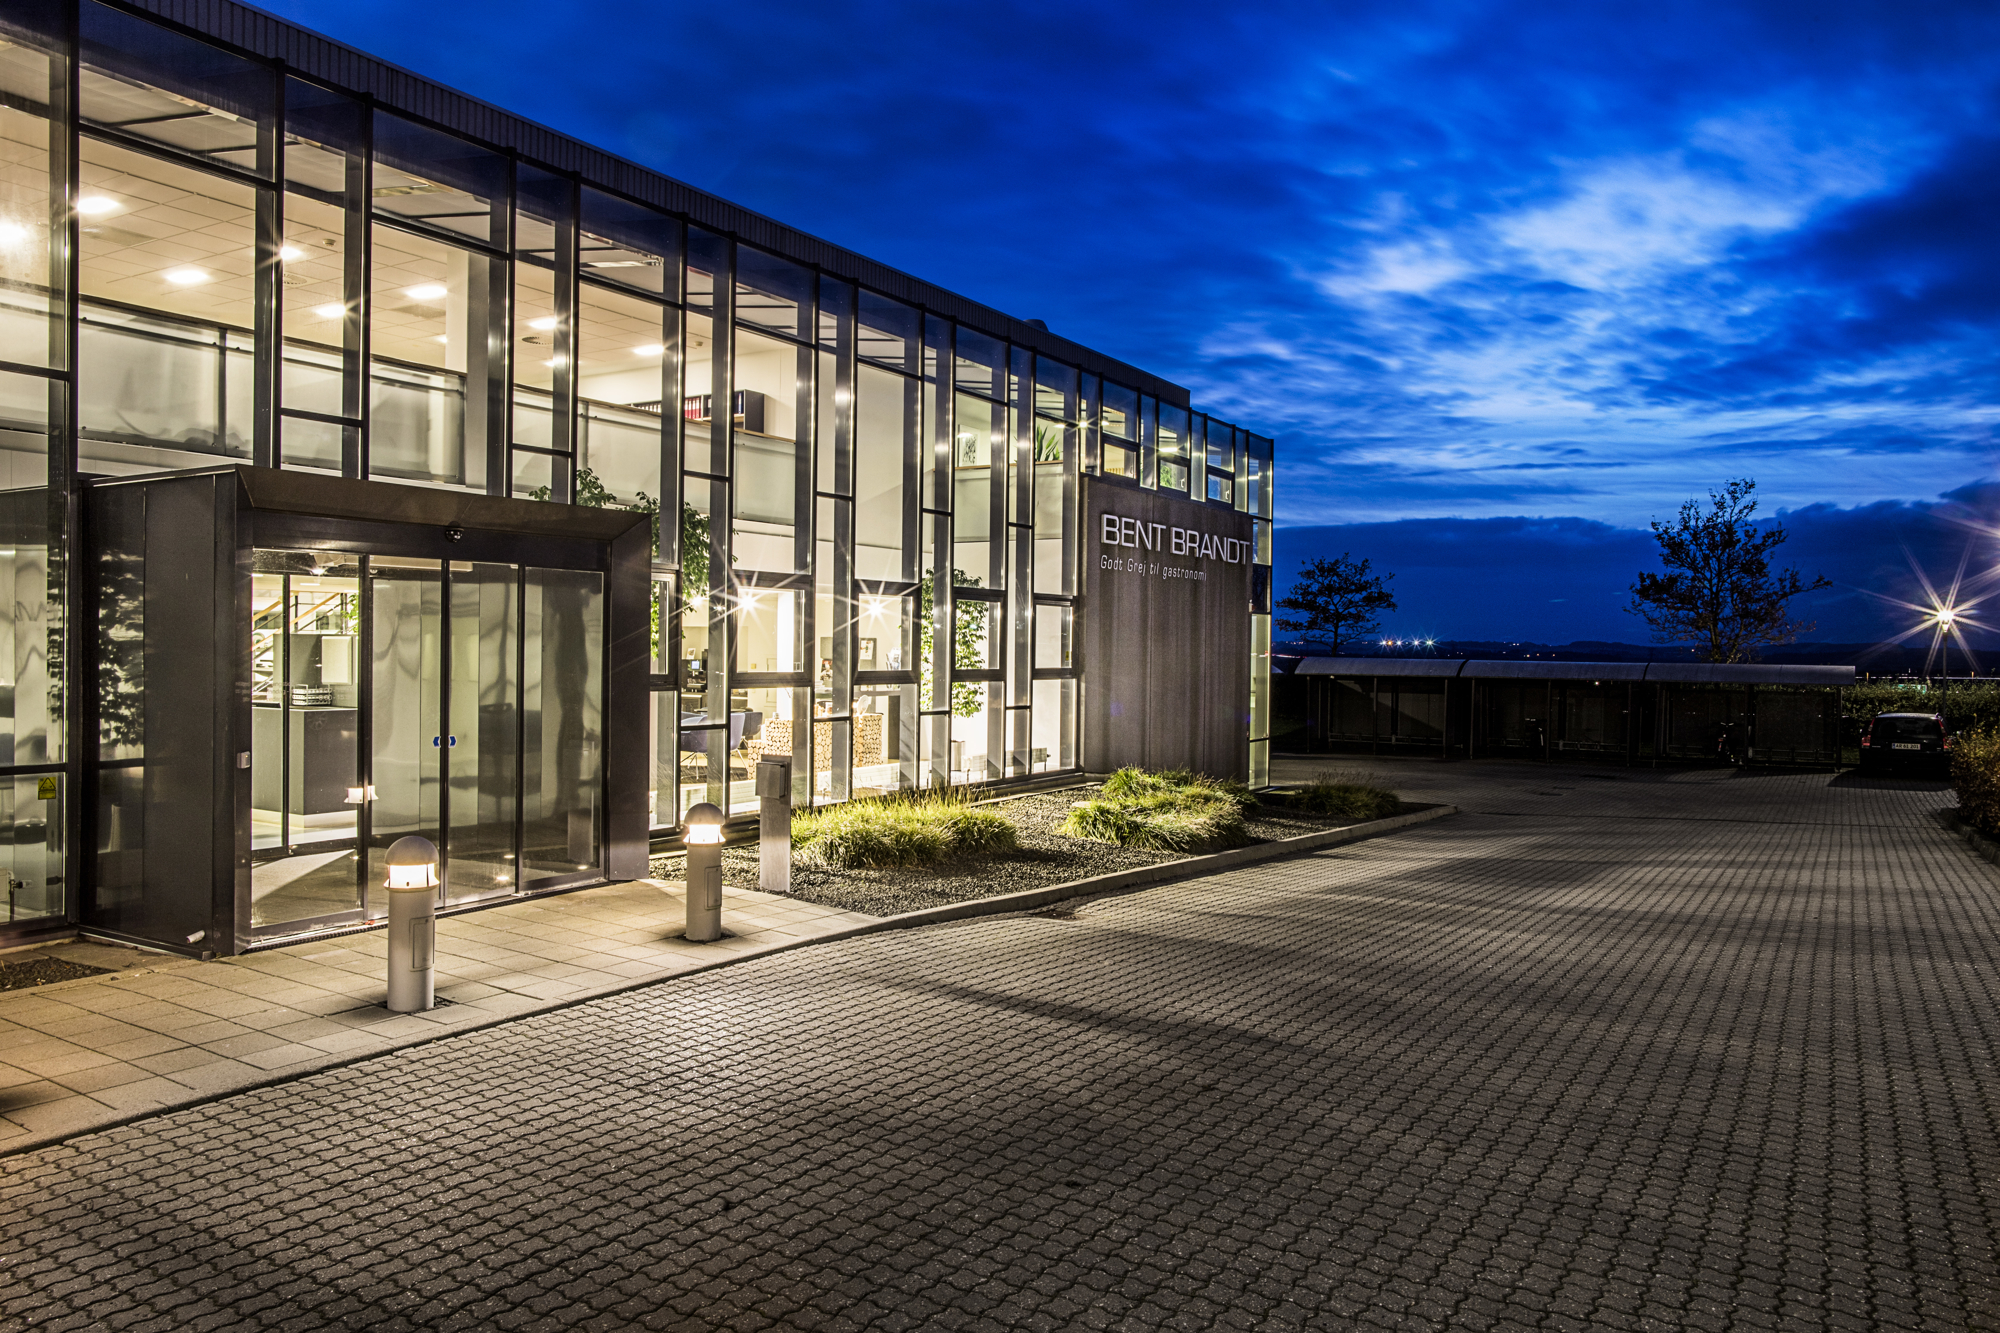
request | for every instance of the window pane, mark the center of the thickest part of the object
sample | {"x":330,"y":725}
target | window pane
{"x":25,"y":327}
{"x":1052,"y":637}
{"x":432,"y":308}
{"x":773,"y":380}
{"x":773,"y":293}
{"x":1055,"y":389}
{"x":1121,"y":411}
{"x":1173,"y":448}
{"x":562,"y":725}
{"x":427,"y":176}
{"x":621,"y":367}
{"x":629,"y":244}
{"x":165,"y":373}
{"x":981,"y":365}
{"x":886,"y":331}
{"x":541,"y":206}
{"x":30,"y":619}
{"x":885,"y":419}
{"x":707,"y":255}
{"x":156,"y":84}
{"x":535,"y":328}
{"x":769,"y":623}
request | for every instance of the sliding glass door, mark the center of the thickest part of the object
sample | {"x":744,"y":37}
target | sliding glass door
{"x":459,"y":701}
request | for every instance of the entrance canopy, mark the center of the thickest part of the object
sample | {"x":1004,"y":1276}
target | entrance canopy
{"x":292,"y":671}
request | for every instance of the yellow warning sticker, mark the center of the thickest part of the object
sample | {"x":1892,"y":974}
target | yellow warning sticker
{"x":45,"y":789}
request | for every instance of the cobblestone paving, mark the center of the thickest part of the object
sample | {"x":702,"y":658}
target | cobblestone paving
{"x":1708,"y":1053}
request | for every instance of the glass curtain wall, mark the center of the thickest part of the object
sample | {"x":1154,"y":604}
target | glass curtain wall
{"x":36,"y":362}
{"x":864,"y":514}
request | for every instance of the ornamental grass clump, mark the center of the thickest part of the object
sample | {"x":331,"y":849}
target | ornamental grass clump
{"x":888,"y":832}
{"x":1170,"y":811}
{"x":1975,"y":775}
{"x":1331,"y":794}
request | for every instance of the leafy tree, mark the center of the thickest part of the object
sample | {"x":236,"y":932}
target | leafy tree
{"x":1336,"y":600}
{"x":968,"y":644}
{"x":1718,"y":590}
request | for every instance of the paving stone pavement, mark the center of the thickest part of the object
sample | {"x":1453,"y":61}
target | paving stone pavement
{"x":1708,"y":1051}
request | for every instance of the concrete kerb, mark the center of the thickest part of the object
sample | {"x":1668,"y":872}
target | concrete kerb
{"x":1005,"y":904}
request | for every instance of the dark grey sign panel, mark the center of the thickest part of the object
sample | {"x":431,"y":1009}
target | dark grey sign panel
{"x":1165,"y":632}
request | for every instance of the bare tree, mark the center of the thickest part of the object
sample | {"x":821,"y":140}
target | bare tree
{"x":1336,"y":599}
{"x":1718,"y":590}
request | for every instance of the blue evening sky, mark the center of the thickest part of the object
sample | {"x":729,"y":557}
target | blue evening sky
{"x":1506,"y":280}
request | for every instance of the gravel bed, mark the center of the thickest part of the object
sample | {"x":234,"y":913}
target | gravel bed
{"x":1043,"y":857}
{"x":41,"y":971}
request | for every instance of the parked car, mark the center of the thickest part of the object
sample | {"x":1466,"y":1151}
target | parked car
{"x":1906,"y":743}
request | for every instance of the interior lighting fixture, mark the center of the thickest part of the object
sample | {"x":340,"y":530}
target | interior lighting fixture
{"x":426,"y":291}
{"x":93,"y":205}
{"x":12,"y":234}
{"x":186,"y":277}
{"x":545,"y":323}
{"x":330,"y":311}
{"x":650,"y":349}
{"x":291,"y":254}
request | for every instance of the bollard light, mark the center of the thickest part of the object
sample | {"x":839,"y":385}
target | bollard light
{"x":701,"y":830}
{"x":412,"y":865}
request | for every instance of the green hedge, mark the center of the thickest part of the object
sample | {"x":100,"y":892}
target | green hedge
{"x":1975,"y":774}
{"x":1965,"y":707}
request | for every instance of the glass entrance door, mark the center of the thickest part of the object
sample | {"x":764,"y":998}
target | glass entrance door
{"x":472,"y":698}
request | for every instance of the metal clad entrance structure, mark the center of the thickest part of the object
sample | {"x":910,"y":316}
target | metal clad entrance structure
{"x":467,"y":668}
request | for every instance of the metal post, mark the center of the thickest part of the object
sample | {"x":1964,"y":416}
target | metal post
{"x":774,"y":823}
{"x":702,"y":832}
{"x":412,"y":885}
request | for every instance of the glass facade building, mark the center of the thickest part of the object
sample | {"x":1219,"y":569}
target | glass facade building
{"x":259,"y":289}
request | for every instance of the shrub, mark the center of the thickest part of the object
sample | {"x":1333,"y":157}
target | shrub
{"x":886,"y":832}
{"x":1181,"y":783}
{"x":1331,"y":794}
{"x":1975,"y":774}
{"x":1168,"y":811}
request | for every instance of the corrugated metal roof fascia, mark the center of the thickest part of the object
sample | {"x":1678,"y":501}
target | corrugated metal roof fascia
{"x":1733,"y":673}
{"x":1516,"y":670}
{"x":1378,"y":666}
{"x":323,"y":58}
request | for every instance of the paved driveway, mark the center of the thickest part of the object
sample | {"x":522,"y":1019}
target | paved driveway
{"x":1606,"y":1051}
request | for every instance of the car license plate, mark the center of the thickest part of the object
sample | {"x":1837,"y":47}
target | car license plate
{"x":1907,"y":745}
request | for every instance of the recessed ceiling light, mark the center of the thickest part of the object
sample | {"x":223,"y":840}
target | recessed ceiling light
{"x":93,"y":204}
{"x":13,"y":234}
{"x":545,"y":322}
{"x":185,"y":277}
{"x":553,"y":361}
{"x":330,"y":311}
{"x":441,"y":338}
{"x":650,"y":349}
{"x":427,"y":291}
{"x":291,"y":254}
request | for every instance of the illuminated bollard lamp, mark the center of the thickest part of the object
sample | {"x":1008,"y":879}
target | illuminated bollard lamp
{"x":774,"y":823}
{"x":412,"y":885}
{"x":702,"y":832}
